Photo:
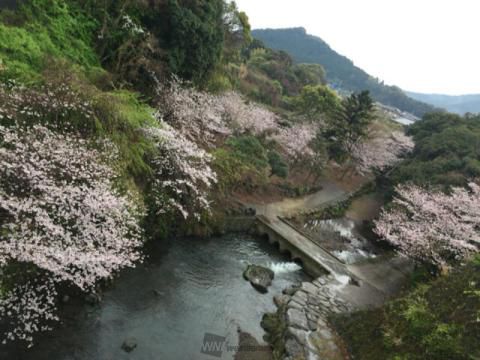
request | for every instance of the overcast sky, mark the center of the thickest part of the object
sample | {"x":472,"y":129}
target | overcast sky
{"x":419,"y":45}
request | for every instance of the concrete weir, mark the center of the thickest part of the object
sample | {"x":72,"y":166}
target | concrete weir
{"x":315,"y":260}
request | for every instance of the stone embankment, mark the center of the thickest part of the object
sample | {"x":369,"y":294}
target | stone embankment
{"x":303,"y":313}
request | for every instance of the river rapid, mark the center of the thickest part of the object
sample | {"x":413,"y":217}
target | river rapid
{"x":185,"y":289}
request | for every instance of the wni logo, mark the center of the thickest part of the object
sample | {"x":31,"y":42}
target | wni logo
{"x":213,"y":345}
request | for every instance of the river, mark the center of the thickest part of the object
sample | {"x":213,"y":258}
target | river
{"x":186,"y":288}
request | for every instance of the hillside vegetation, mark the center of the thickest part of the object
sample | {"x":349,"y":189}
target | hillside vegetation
{"x":340,"y":71}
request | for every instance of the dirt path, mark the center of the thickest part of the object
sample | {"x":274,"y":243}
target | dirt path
{"x":288,"y":207}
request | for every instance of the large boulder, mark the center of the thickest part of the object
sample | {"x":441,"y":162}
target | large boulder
{"x":259,"y":276}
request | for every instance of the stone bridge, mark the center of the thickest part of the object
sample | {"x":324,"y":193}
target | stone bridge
{"x":315,"y":259}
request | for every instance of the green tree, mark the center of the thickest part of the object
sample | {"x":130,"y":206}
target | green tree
{"x":310,"y":74}
{"x":315,"y":100}
{"x":238,"y":32}
{"x":447,"y":151}
{"x":349,"y":125}
{"x":195,"y":37}
{"x":249,"y":150}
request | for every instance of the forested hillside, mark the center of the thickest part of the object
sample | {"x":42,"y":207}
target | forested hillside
{"x":341,"y":72}
{"x":459,"y":104}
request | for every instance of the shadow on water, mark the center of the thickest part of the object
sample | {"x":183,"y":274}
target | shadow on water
{"x":186,"y":288}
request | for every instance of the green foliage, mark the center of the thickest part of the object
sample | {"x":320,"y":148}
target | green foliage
{"x":447,"y":151}
{"x":315,"y":100}
{"x":434,"y":321}
{"x":242,"y":163}
{"x":238,"y":33}
{"x":310,"y":74}
{"x":268,"y":75}
{"x":122,"y":116}
{"x":349,"y":125}
{"x":249,"y":150}
{"x":195,"y":37}
{"x":278,"y":164}
{"x":275,"y":326}
{"x":49,"y":28}
{"x":235,"y":172}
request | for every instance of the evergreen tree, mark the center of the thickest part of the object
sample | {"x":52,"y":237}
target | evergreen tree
{"x":349,"y":125}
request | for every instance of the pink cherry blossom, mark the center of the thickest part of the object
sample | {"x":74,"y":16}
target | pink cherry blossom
{"x":431,"y":225}
{"x":296,"y":140}
{"x":183,"y":175}
{"x":61,"y":214}
{"x":381,"y":151}
{"x":202,"y":117}
{"x":29,"y":308}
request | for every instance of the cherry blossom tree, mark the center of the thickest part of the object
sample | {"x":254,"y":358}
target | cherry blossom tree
{"x":61,"y":214}
{"x":433,"y":226}
{"x":29,"y":308}
{"x":245,"y":117}
{"x":197,"y":115}
{"x":381,"y":152}
{"x":202,"y":117}
{"x":55,"y":105}
{"x":296,"y":140}
{"x":183,"y":175}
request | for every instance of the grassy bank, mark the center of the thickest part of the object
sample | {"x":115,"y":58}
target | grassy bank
{"x":439,"y":319}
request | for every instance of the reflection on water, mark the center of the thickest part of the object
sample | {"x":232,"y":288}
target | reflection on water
{"x":187,"y":288}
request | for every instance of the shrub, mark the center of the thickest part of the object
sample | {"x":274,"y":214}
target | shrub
{"x":249,"y":150}
{"x":50,"y":28}
{"x":278,"y":165}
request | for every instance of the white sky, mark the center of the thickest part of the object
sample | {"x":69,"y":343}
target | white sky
{"x":430,"y":46}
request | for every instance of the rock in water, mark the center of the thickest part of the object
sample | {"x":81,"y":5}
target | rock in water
{"x":260,"y":277}
{"x":129,"y":345}
{"x":92,"y":299}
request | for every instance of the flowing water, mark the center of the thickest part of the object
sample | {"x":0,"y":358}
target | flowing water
{"x":344,"y":237}
{"x":185,"y":289}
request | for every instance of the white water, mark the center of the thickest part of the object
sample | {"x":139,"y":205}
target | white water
{"x":351,"y":257}
{"x":284,"y":267}
{"x":345,"y":228}
{"x":342,"y":279}
{"x":341,"y":282}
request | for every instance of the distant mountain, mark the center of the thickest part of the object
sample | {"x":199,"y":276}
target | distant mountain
{"x":341,"y":71}
{"x":457,"y":104}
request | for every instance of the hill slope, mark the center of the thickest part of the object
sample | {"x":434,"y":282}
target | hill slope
{"x":341,"y":72}
{"x":460,"y":104}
